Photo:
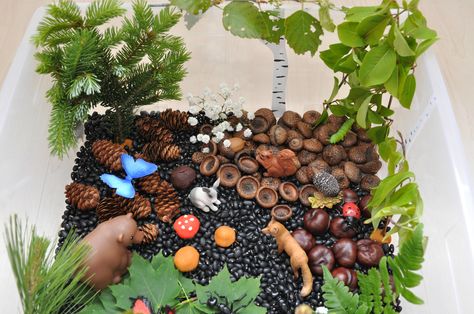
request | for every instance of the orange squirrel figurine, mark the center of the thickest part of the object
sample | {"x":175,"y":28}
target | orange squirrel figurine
{"x":298,"y":257}
{"x":281,"y":164}
{"x":109,"y":258}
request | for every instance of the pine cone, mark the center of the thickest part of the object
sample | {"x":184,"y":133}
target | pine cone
{"x":109,"y":208}
{"x":174,"y":120}
{"x":139,"y":206}
{"x":114,"y":206}
{"x":84,"y":197}
{"x":153,"y":130}
{"x":156,"y":151}
{"x":108,"y":154}
{"x":150,"y":232}
{"x":150,"y":184}
{"x":167,"y":202}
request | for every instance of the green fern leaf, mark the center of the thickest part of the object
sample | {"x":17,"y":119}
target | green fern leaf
{"x":337,"y":297}
{"x":101,"y":11}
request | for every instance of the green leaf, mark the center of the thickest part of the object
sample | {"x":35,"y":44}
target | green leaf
{"x":408,"y":91}
{"x":325,"y":18}
{"x":361,"y":117}
{"x":415,"y":26}
{"x":337,"y":297}
{"x":348,"y":35}
{"x":374,"y":117}
{"x":335,"y":89}
{"x":424,"y":45}
{"x":322,"y":119}
{"x":357,"y":14}
{"x":378,"y":65}
{"x":413,"y":5}
{"x":378,"y":134}
{"x":346,"y":65}
{"x":253,"y":309}
{"x":373,"y":27}
{"x":332,"y":56}
{"x":392,"y":84}
{"x":387,"y":185}
{"x":193,"y":6}
{"x":302,"y":32}
{"x":243,"y":19}
{"x":400,"y":44}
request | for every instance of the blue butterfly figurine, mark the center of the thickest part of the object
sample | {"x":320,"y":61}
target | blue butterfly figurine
{"x":134,"y":169}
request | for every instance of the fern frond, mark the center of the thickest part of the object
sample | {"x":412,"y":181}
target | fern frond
{"x":370,"y":287}
{"x":337,"y":296}
{"x":101,"y":11}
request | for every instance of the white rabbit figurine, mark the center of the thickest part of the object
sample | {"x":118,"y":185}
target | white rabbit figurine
{"x":205,"y":198}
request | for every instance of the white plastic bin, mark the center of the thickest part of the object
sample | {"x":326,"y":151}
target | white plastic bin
{"x":32,"y":182}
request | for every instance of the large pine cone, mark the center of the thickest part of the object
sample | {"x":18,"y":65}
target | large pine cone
{"x":114,"y":206}
{"x":153,"y":130}
{"x":108,"y":154}
{"x":167,"y":202}
{"x":174,"y":119}
{"x":150,"y":184}
{"x":150,"y":232}
{"x":156,"y":151}
{"x":84,"y":197}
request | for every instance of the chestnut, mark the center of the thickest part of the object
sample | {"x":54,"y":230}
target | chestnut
{"x":363,"y":205}
{"x":304,"y":239}
{"x":320,"y":255}
{"x":316,"y":221}
{"x":349,"y":196}
{"x":369,"y":252}
{"x":341,"y":229}
{"x":345,"y":252}
{"x":347,"y":276}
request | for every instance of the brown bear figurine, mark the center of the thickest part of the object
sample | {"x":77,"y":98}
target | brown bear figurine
{"x":109,"y":256}
{"x":278,"y":164}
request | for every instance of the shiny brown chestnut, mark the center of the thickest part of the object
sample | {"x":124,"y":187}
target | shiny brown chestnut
{"x":209,"y":165}
{"x":248,"y":164}
{"x":247,"y":187}
{"x":349,"y":196}
{"x":304,"y":239}
{"x":229,"y":175}
{"x":282,"y":212}
{"x":288,"y":191}
{"x":320,"y":255}
{"x":183,"y":177}
{"x":347,"y":276}
{"x":363,"y":205}
{"x":266,"y":197}
{"x":345,"y":252}
{"x":341,"y":229}
{"x":316,"y":221}
{"x":305,"y":192}
{"x":369,"y":252}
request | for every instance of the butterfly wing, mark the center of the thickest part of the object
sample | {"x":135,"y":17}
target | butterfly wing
{"x":141,"y":307}
{"x":123,"y":187}
{"x":137,"y":168}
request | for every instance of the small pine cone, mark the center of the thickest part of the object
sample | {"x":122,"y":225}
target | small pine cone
{"x":153,"y":130}
{"x":109,"y":208}
{"x":108,"y":154}
{"x":150,"y":232}
{"x":156,"y":151}
{"x":174,"y":120}
{"x":139,"y":206}
{"x":84,"y":197}
{"x":167,"y":202}
{"x":150,"y":184}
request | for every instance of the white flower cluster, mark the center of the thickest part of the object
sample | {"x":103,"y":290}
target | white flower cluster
{"x":217,"y":107}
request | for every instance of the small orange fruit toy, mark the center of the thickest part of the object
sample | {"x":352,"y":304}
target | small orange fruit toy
{"x":378,"y":236}
{"x":224,"y":236}
{"x":186,"y":259}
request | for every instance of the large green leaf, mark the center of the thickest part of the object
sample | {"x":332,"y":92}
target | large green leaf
{"x":415,"y":26}
{"x":302,"y":32}
{"x":335,"y":53}
{"x":400,"y":44}
{"x":387,"y":185}
{"x":392,"y":84}
{"x":193,"y":6}
{"x":372,"y":28}
{"x":361,"y":117}
{"x":325,"y":18}
{"x":243,"y":19}
{"x":357,"y":14}
{"x":348,"y":35}
{"x":408,"y":91}
{"x":378,"y":65}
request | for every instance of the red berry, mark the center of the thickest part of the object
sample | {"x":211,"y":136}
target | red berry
{"x":186,"y":226}
{"x":351,"y":210}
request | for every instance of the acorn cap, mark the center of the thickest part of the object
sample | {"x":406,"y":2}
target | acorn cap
{"x":261,"y":138}
{"x":311,"y":116}
{"x":282,"y":212}
{"x":290,"y":118}
{"x":198,"y":157}
{"x":271,"y":182}
{"x":267,"y":114}
{"x":213,"y":149}
{"x":229,"y":175}
{"x":288,"y":191}
{"x":326,"y":183}
{"x":266,"y":197}
{"x":278,"y":135}
{"x":225,"y":151}
{"x":305,"y":129}
{"x":247,"y":187}
{"x":248,"y":164}
{"x":312,"y":145}
{"x":259,"y":125}
{"x":206,"y":129}
{"x":209,"y":165}
{"x":305,"y":192}
{"x":296,"y":144}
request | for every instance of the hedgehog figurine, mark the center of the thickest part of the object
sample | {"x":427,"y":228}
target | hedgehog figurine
{"x":326,"y":183}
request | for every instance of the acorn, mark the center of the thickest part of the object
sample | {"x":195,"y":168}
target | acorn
{"x":278,"y":135}
{"x":305,"y":129}
{"x":281,"y":212}
{"x":266,"y":197}
{"x":248,"y":164}
{"x":312,"y":145}
{"x":247,"y":187}
{"x":288,"y":191}
{"x":236,"y":144}
{"x":352,"y":172}
{"x":209,"y":165}
{"x":271,"y":182}
{"x":305,"y":192}
{"x":334,"y":154}
{"x":336,"y":120}
{"x":320,"y":165}
{"x":326,"y":183}
{"x":261,"y":138}
{"x":349,"y":140}
{"x":305,"y":157}
{"x":229,"y":175}
{"x":369,"y":182}
{"x":267,"y":114}
{"x":294,"y":134}
{"x":341,"y":178}
{"x":371,"y":167}
{"x":324,"y":132}
{"x":361,"y":133}
{"x":358,"y":154}
{"x":295,"y":144}
{"x":302,"y":176}
{"x":225,"y":151}
{"x":290,"y":118}
{"x":311,"y":116}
